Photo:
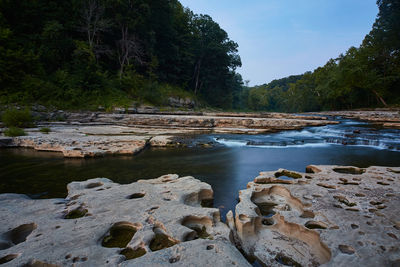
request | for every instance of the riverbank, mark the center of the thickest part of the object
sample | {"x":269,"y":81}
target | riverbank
{"x":329,"y":215}
{"x":387,"y":118}
{"x":98,"y":134}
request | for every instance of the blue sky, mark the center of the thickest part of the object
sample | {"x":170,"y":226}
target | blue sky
{"x":278,"y":38}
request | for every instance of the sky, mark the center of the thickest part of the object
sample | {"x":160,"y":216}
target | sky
{"x":278,"y":38}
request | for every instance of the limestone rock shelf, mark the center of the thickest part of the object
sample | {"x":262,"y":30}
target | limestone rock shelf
{"x":147,"y":223}
{"x":387,"y":118}
{"x":98,"y":134}
{"x":331,"y":216}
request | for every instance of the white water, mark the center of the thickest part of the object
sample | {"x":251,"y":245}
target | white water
{"x":347,"y":133}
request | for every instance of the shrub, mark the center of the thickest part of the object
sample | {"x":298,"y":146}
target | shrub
{"x":45,"y":130}
{"x":14,"y":131}
{"x":17,"y":118}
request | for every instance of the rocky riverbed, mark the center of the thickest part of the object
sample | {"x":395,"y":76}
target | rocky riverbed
{"x":98,"y":134}
{"x":388,"y":118}
{"x":330,"y":215}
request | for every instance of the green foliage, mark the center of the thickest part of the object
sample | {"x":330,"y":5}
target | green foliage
{"x":45,"y":130}
{"x":258,"y":98}
{"x":81,"y":54}
{"x":14,"y":131}
{"x":367,"y":76}
{"x":17,"y":118}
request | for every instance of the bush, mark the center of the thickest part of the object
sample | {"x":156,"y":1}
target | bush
{"x":17,"y":118}
{"x":14,"y":131}
{"x":45,"y":130}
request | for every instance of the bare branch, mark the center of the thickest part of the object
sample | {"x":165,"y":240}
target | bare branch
{"x":128,"y":49}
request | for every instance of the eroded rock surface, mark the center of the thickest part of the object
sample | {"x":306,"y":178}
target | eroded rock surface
{"x":78,"y":145}
{"x":148,"y":223}
{"x":98,"y":134}
{"x":331,"y":216}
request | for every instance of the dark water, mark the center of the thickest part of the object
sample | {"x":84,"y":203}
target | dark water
{"x":227,"y":167}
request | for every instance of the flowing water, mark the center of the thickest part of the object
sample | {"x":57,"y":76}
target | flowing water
{"x":228,"y":166}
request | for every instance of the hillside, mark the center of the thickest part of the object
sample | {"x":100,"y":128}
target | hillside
{"x":81,"y":54}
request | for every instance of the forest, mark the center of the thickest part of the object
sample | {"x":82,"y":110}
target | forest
{"x":85,"y":53}
{"x":81,"y":54}
{"x":364,"y":77}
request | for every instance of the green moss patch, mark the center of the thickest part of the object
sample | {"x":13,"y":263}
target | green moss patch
{"x":161,"y":241}
{"x":120,"y":234}
{"x":76,"y":213}
{"x":131,"y":253}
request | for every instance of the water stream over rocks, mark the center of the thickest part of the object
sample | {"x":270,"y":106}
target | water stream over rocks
{"x":227,"y":166}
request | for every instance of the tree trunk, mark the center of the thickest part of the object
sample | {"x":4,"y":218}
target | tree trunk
{"x":197,"y":75}
{"x":379,"y":98}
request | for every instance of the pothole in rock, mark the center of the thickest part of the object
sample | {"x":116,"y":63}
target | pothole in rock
{"x":161,"y":240}
{"x":76,"y":213}
{"x":349,"y":170}
{"x":288,"y":175}
{"x":307,"y":214}
{"x":94,"y":185}
{"x":207,"y":203}
{"x":199,"y":227}
{"x":287,"y":261}
{"x":131,"y":253}
{"x":394,"y":171}
{"x":203,"y":198}
{"x":312,"y":169}
{"x":286,"y":178}
{"x":315,"y":225}
{"x":119,"y":235}
{"x":136,"y":195}
{"x":344,"y":200}
{"x":17,"y":235}
{"x":266,"y":210}
{"x":8,"y":258}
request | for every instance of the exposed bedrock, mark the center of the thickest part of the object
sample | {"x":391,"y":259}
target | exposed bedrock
{"x":101,"y":223}
{"x":331,"y":216}
{"x":98,"y":134}
{"x":388,"y":118}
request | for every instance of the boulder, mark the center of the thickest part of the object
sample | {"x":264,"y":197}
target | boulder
{"x":334,"y":216}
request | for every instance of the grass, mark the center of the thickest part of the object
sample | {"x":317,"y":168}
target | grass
{"x":45,"y":130}
{"x":17,"y":118}
{"x":14,"y":131}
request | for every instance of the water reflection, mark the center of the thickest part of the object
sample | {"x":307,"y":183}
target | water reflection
{"x":226,"y":169}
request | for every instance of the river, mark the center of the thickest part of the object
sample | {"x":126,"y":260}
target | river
{"x":228,"y":166}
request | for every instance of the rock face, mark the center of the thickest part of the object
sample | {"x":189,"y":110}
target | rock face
{"x":181,"y":102}
{"x":148,"y":223}
{"x":331,"y":216}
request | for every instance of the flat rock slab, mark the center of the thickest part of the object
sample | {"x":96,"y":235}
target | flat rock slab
{"x":331,"y":216}
{"x":148,"y":223}
{"x":98,"y":134}
{"x":77,"y":144}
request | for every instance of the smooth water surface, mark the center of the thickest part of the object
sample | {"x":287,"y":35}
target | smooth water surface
{"x":227,"y":167}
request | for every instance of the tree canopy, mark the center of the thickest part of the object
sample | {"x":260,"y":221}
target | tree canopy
{"x":80,"y":52}
{"x":367,"y":76}
{"x":85,"y":53}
